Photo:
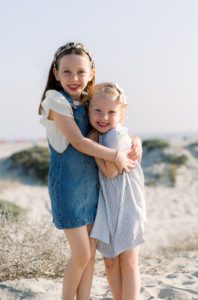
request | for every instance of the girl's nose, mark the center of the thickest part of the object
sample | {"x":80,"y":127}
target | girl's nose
{"x":105,"y":116}
{"x":75,"y":77}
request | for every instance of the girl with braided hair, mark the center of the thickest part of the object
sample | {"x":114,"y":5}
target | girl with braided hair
{"x":73,"y":176}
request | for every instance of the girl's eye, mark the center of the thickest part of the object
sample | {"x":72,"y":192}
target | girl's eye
{"x":112,"y":112}
{"x":66,"y":71}
{"x":97,"y":110}
{"x":82,"y":72}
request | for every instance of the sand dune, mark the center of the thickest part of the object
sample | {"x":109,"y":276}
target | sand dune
{"x":174,"y":278}
{"x":169,"y":258}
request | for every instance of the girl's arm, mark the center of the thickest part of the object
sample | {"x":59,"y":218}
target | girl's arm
{"x":136,"y":149}
{"x":108,"y":168}
{"x":71,"y":131}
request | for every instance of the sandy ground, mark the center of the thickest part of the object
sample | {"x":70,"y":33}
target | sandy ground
{"x":169,"y":258}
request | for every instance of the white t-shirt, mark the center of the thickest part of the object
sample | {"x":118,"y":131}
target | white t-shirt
{"x":55,"y":101}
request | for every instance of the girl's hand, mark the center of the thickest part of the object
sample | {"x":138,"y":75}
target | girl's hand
{"x":136,"y":149}
{"x":93,"y":135}
{"x":123,"y":162}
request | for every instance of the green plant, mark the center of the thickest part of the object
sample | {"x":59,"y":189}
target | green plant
{"x":194,"y":144}
{"x":172,"y":172}
{"x":10,"y":211}
{"x":178,"y":160}
{"x":34,"y":161}
{"x":151,"y":183}
{"x":152,"y":144}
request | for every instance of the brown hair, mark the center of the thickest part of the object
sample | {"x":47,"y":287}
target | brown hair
{"x":69,"y":48}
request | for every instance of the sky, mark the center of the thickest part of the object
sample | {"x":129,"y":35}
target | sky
{"x":149,"y":47}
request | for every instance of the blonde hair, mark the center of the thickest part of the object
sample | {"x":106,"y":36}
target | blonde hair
{"x":114,"y":91}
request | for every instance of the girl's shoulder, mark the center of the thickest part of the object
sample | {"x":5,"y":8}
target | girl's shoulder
{"x":55,"y":100}
{"x":57,"y":96}
{"x":116,"y":132}
{"x":116,"y":138}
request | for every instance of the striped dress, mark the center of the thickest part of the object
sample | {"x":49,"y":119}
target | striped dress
{"x":121,"y":212}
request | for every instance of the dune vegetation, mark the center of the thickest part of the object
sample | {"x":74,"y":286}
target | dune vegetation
{"x":33,"y":162}
{"x":30,"y":250}
{"x":160,"y":164}
{"x":156,"y":163}
{"x":10,"y":211}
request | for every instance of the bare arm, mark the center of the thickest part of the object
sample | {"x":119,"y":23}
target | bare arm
{"x":109,"y":169}
{"x":136,"y":149}
{"x":70,"y":130}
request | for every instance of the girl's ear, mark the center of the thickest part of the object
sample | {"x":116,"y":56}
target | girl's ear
{"x":55,"y":71}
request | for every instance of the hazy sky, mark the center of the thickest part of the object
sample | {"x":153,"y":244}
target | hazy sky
{"x":150,"y":47}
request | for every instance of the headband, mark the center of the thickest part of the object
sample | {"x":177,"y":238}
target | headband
{"x":70,"y":46}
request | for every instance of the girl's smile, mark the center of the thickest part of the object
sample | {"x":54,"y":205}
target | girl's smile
{"x":74,"y":73}
{"x":103,"y":124}
{"x":74,"y":87}
{"x":104,"y":113}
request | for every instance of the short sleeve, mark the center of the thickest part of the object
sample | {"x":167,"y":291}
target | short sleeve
{"x":55,"y":101}
{"x":116,"y":139}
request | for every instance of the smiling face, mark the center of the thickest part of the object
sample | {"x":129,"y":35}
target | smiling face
{"x":74,"y":72}
{"x":104,"y":112}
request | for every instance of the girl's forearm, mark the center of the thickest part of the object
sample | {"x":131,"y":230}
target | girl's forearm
{"x":92,"y":148}
{"x":107,"y":168}
{"x":72,"y":133}
{"x":101,"y":165}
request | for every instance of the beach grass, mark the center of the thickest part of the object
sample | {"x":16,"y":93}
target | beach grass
{"x":10,"y":211}
{"x":153,"y":144}
{"x":33,"y":161}
{"x":31,"y":250}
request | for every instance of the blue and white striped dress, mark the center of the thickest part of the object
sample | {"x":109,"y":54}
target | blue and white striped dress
{"x":121,"y":213}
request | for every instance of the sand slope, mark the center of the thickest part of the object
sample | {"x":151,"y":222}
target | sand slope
{"x":169,"y":258}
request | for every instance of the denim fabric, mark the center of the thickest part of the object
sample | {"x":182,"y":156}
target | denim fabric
{"x":73,"y":180}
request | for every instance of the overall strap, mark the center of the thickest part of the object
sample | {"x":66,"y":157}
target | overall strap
{"x":69,"y":98}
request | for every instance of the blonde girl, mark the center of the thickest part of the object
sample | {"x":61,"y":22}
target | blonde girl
{"x":121,"y":213}
{"x":73,"y":179}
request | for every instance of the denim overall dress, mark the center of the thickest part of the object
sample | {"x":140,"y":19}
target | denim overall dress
{"x":73,"y":180}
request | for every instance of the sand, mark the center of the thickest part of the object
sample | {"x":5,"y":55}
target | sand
{"x":168,"y":259}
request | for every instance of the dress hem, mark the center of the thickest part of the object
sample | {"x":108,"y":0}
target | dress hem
{"x":131,"y":247}
{"x":62,"y":225}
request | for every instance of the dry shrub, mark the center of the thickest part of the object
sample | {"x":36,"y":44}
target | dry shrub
{"x":172,"y":173}
{"x":11,"y":211}
{"x":181,"y":245}
{"x":187,"y":244}
{"x":31,"y":250}
{"x":33,"y":161}
{"x":152,"y":144}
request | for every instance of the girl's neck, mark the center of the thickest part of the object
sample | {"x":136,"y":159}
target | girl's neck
{"x":74,"y":98}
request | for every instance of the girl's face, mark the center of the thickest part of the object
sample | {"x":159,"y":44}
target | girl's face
{"x":104,"y":113}
{"x":74,"y":73}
